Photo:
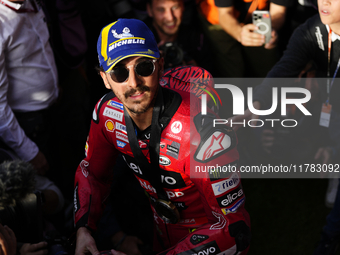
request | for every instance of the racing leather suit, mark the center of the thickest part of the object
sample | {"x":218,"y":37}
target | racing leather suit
{"x":211,"y":203}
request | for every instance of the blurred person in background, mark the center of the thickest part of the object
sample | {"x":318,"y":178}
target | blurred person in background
{"x":178,"y":34}
{"x":28,"y":81}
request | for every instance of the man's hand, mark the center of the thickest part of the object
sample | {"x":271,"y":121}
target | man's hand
{"x":129,"y":244}
{"x":273,"y":41}
{"x":34,"y":249}
{"x":324,"y":154}
{"x":85,"y":243}
{"x":40,"y":163}
{"x":250,"y":38}
{"x":8,"y":241}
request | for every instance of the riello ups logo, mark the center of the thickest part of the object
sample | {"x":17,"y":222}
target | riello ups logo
{"x":239,"y":109}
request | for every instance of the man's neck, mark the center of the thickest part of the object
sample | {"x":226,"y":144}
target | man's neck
{"x":142,"y":120}
{"x":335,"y":28}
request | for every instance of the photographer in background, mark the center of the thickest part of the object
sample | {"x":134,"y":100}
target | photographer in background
{"x":181,"y":41}
{"x":23,"y":204}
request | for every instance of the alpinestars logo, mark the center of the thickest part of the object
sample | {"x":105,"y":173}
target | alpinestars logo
{"x":214,"y":145}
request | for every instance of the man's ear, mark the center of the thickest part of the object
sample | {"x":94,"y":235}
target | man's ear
{"x":104,"y":77}
{"x":148,"y":9}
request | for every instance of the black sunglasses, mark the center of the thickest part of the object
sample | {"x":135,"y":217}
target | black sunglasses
{"x":144,"y":68}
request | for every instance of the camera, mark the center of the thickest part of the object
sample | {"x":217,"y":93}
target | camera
{"x":173,"y":55}
{"x":24,"y":218}
{"x":57,"y":243}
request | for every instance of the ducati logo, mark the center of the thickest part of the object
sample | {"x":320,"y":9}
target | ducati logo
{"x":176,"y":127}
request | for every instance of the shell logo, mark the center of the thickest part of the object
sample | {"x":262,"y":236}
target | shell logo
{"x":110,"y":126}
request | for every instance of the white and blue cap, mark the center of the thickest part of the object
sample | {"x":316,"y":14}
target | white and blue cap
{"x":125,"y":38}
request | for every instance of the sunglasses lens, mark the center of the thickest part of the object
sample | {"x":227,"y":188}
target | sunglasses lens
{"x":119,"y":74}
{"x":145,"y":68}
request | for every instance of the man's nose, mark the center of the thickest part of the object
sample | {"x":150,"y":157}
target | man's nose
{"x":169,"y":15}
{"x":134,"y":79}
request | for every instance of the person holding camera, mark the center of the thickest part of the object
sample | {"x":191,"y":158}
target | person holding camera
{"x":150,"y":126}
{"x":238,"y":47}
{"x":181,"y":41}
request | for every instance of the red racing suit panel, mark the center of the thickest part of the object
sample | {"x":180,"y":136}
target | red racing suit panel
{"x":211,"y":206}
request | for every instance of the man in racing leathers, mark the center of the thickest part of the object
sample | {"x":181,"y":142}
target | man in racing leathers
{"x":168,"y":145}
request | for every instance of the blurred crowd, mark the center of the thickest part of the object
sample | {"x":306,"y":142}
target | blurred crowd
{"x":49,"y":86}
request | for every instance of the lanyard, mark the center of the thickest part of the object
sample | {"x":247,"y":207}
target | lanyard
{"x":150,"y":170}
{"x":19,"y":7}
{"x":330,"y":83}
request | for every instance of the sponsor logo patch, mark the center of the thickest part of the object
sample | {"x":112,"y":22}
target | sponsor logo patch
{"x":173,"y":136}
{"x":110,"y":126}
{"x":217,"y":143}
{"x":173,"y":149}
{"x":172,"y":180}
{"x":172,"y":194}
{"x":120,"y":127}
{"x":180,"y":205}
{"x":230,"y":198}
{"x":225,"y":185}
{"x":196,"y":239}
{"x":210,"y":248}
{"x":120,"y":144}
{"x":176,"y":127}
{"x":122,"y":136}
{"x":164,"y":161}
{"x":115,"y":105}
{"x":113,"y":114}
{"x":234,"y":208}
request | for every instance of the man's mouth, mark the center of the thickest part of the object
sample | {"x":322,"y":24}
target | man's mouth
{"x":325,"y":12}
{"x":171,"y":25}
{"x":137,"y":95}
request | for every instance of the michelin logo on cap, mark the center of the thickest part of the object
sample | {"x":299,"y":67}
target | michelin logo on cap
{"x":125,"y":38}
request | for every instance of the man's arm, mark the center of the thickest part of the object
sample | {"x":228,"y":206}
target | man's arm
{"x":278,"y":17}
{"x":10,"y":131}
{"x":93,"y":179}
{"x":242,"y":33}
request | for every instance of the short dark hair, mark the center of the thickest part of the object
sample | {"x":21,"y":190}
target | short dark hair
{"x":99,"y":69}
